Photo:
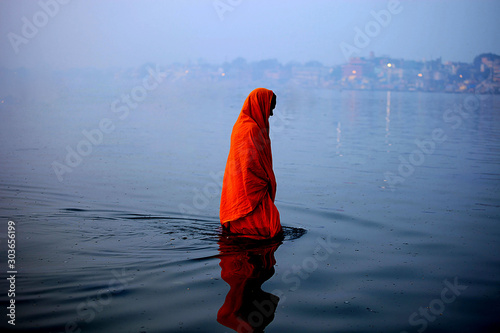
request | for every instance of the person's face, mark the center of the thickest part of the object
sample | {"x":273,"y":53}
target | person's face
{"x":273,"y":105}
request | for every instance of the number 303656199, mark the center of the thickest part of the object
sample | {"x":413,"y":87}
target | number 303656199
{"x":11,"y":232}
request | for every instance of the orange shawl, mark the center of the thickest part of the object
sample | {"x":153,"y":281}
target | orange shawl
{"x":249,"y":170}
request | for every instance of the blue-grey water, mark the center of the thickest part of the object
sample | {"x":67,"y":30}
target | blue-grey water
{"x":390,"y":202}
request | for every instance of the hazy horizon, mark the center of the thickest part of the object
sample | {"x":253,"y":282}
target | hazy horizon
{"x":57,"y":34}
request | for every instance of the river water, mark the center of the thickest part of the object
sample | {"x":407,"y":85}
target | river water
{"x":390,"y":203}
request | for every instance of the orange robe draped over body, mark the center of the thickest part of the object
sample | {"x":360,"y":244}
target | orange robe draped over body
{"x":249,"y":186}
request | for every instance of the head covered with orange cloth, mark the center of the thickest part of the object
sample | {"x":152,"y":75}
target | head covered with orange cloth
{"x":249,"y":186}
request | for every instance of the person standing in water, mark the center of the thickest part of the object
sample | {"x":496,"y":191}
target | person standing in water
{"x":249,"y":185}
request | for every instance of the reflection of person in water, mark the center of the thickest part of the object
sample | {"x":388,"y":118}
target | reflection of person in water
{"x":246,"y":265}
{"x":249,"y":186}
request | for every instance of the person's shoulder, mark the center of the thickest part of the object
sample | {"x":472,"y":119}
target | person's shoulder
{"x":247,"y":132}
{"x":246,"y":127}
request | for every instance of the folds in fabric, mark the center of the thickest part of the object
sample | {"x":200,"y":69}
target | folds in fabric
{"x":262,"y":223}
{"x":249,"y":175}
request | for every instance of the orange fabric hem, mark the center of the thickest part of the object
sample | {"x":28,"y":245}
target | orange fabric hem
{"x":263,"y":222}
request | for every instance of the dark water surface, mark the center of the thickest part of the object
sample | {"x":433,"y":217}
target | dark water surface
{"x":382,"y":233}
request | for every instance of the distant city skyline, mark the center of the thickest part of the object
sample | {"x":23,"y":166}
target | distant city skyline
{"x":60,"y":34}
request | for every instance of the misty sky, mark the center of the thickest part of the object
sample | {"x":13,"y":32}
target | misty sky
{"x":103,"y":33}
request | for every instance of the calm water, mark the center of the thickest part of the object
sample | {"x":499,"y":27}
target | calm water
{"x":378,"y":227}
